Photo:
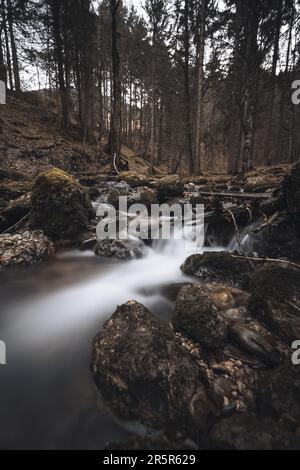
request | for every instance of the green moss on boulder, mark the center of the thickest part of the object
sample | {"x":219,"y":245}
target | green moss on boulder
{"x":61,"y":207}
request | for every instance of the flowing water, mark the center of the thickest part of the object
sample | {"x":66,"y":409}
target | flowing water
{"x":49,"y":316}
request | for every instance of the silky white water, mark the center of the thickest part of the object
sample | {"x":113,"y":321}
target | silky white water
{"x":49,"y":316}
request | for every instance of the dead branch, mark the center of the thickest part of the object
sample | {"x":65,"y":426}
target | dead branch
{"x":267,"y":260}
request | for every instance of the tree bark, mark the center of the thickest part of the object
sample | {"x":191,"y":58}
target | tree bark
{"x":199,"y":119}
{"x":115,"y":122}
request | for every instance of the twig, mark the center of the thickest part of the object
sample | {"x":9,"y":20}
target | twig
{"x":268,"y":260}
{"x":114,"y":163}
{"x":15,"y":225}
{"x":266,"y":224}
{"x":238,"y":238}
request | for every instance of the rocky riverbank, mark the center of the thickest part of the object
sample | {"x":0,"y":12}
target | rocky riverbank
{"x":220,"y":374}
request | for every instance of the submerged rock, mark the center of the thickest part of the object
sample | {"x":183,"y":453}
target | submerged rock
{"x":60,"y":205}
{"x":275,"y":300}
{"x":144,"y":374}
{"x":24,"y":249}
{"x":197,"y":316}
{"x":219,"y":267}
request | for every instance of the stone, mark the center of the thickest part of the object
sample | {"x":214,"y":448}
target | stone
{"x":60,"y":205}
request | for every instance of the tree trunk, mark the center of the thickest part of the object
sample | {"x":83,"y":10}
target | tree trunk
{"x":60,"y":63}
{"x":199,"y":119}
{"x":189,"y":145}
{"x":8,"y":59}
{"x":115,"y":123}
{"x":14,"y":51}
{"x":268,"y":156}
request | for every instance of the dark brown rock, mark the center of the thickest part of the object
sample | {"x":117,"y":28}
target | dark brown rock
{"x":144,"y":374}
{"x":219,"y":267}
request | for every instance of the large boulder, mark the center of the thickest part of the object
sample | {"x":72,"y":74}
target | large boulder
{"x":144,"y":373}
{"x":219,"y":267}
{"x":24,"y":249}
{"x":197,"y":315}
{"x":60,"y":205}
{"x":275,"y":300}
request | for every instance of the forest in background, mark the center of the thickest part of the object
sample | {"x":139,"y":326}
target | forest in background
{"x":196,"y":85}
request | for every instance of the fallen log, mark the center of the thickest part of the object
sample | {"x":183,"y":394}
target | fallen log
{"x":233,"y":195}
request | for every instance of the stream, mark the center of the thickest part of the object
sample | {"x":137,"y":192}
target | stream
{"x":50,"y":314}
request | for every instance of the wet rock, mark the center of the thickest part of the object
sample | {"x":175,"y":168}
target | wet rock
{"x":24,"y":248}
{"x":219,"y":267}
{"x":197,"y":316}
{"x":275,"y":300}
{"x":168,"y":187}
{"x":60,"y":205}
{"x":144,"y":374}
{"x":171,"y":291}
{"x":253,"y":343}
{"x":118,"y":249}
{"x":245,"y":431}
{"x":278,"y":396}
{"x":15,"y":211}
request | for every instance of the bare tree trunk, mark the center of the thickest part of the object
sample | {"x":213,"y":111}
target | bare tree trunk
{"x":115,"y":123}
{"x":14,"y":51}
{"x":8,"y":59}
{"x":189,"y":144}
{"x":153,"y":99}
{"x":199,"y":119}
{"x":60,"y":63}
{"x":268,"y":157}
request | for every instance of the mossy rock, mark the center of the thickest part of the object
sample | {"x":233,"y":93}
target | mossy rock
{"x":61,"y":207}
